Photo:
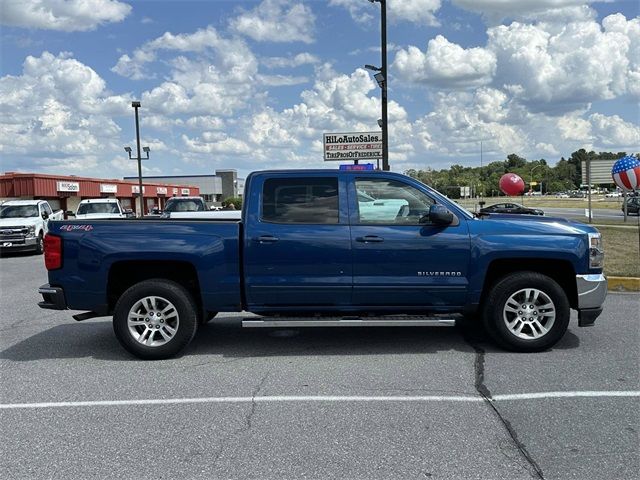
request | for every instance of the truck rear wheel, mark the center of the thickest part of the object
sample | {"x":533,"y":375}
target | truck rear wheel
{"x":155,"y":319}
{"x":526,"y":312}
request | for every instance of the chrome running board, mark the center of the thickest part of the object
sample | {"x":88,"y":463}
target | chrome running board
{"x":349,"y":321}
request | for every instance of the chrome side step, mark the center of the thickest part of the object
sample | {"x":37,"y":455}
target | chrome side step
{"x":349,"y":321}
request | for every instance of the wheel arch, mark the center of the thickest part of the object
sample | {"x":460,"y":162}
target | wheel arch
{"x":126,"y":273}
{"x":562,"y":271}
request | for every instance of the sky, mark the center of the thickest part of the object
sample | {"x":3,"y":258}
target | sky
{"x":254,"y":85}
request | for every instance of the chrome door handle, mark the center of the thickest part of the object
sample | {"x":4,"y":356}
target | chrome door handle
{"x":266,"y":239}
{"x":370,"y":239}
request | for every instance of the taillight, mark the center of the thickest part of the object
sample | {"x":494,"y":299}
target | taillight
{"x":52,"y":251}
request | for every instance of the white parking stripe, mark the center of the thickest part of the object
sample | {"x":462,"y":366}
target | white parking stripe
{"x":319,"y":398}
{"x":534,"y":396}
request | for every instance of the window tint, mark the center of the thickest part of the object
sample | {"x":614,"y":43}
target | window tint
{"x":300,"y":200}
{"x":47,"y":208}
{"x":390,"y":202}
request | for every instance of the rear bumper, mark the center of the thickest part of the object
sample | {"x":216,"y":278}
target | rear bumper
{"x":592,"y":291}
{"x":53,"y":298}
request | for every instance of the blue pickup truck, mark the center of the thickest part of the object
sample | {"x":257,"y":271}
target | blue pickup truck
{"x":304,"y":254}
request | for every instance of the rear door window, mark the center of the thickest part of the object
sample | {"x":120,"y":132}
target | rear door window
{"x":311,"y":200}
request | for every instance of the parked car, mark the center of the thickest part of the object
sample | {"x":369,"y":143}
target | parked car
{"x":99,"y":208}
{"x":511,"y":208}
{"x":183,"y":204}
{"x":613,"y":195}
{"x":24,"y":223}
{"x":633,"y":205}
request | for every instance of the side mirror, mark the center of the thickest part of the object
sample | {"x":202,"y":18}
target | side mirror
{"x":439,"y":215}
{"x":45,"y":215}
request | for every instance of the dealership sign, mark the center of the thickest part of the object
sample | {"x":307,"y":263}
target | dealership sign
{"x":161,"y":190}
{"x":352,"y":146}
{"x":68,"y":186}
{"x":185,"y":191}
{"x":136,"y":189}
{"x":108,"y":188}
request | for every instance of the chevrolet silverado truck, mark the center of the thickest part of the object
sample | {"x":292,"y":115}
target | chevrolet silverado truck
{"x":24,"y":223}
{"x":302,"y":254}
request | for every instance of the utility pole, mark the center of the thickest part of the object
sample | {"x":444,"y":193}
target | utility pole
{"x":385,"y":118}
{"x":382,"y":79}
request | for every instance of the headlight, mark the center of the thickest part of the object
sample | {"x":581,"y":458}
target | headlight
{"x":32,"y":231}
{"x":596,"y":251}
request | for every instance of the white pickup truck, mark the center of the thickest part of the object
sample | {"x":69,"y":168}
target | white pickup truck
{"x":23,"y":224}
{"x":99,"y":208}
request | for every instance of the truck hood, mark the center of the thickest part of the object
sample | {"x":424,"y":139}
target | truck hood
{"x":529,"y":224}
{"x":19,"y":222}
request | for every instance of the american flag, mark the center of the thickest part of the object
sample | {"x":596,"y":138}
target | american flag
{"x":626,"y":173}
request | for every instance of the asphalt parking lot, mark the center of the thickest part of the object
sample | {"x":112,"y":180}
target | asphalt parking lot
{"x":320,"y":403}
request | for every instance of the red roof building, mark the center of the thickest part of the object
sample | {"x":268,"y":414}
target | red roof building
{"x":65,"y":192}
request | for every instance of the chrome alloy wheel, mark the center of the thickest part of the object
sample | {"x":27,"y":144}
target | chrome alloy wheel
{"x":153,"y":321}
{"x":529,"y":314}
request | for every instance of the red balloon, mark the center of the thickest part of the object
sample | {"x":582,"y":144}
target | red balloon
{"x":511,"y":184}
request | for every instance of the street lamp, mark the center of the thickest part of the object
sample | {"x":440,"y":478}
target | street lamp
{"x":139,"y":157}
{"x":381,"y":78}
{"x":533,"y":169}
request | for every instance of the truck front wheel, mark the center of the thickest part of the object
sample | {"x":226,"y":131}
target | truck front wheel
{"x":155,"y":319}
{"x":526,"y":312}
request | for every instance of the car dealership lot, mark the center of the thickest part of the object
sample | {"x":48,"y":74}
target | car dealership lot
{"x":317,"y":403}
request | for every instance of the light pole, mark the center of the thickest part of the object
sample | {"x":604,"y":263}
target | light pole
{"x":533,"y":169}
{"x":136,"y":105}
{"x":381,"y":77}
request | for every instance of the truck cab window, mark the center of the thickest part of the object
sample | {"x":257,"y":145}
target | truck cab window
{"x":389,"y":202}
{"x":304,"y":200}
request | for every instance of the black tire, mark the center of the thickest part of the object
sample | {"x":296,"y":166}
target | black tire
{"x":39,"y":244}
{"x":185,"y":328}
{"x":495,"y":316}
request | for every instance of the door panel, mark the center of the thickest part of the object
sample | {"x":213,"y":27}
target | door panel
{"x":298,"y":249}
{"x":408,"y":263}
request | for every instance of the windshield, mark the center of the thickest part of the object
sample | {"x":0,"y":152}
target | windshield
{"x":18,"y":211}
{"x":184,"y":205}
{"x":88,"y":208}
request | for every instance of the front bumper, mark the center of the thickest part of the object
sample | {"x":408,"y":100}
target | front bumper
{"x":18,"y":243}
{"x":592,"y":291}
{"x":53,"y":298}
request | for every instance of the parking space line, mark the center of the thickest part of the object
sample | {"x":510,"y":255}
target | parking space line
{"x":543,"y":395}
{"x":322,"y":398}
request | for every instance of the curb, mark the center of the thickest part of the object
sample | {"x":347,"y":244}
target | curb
{"x":623,"y":284}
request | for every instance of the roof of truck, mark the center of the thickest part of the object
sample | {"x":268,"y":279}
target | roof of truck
{"x":100,"y":200}
{"x":23,"y":202}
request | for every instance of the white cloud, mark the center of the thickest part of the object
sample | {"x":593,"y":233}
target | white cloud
{"x":215,"y":144}
{"x":214,"y":75}
{"x":285,"y":62}
{"x":67,"y":15}
{"x":496,"y":10}
{"x":614,"y":132}
{"x":277,"y":21}
{"x":58,"y":110}
{"x":446,"y":65}
{"x":416,"y":11}
{"x":281,"y":80}
{"x":561,"y":71}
